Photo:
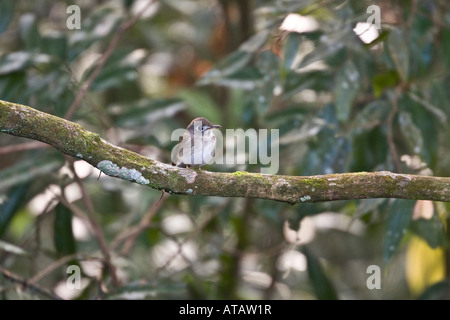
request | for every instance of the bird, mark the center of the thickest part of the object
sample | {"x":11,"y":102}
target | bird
{"x":197,"y":146}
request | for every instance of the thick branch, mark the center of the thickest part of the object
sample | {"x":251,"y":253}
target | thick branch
{"x":70,"y":138}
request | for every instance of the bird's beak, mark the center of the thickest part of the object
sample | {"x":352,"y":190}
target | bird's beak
{"x":213,"y":127}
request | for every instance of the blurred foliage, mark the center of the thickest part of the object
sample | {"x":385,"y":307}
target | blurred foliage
{"x":340,"y":104}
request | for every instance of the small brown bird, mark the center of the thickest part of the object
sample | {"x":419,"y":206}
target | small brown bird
{"x":197,"y":146}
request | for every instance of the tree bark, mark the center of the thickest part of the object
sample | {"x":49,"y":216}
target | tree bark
{"x":70,"y":138}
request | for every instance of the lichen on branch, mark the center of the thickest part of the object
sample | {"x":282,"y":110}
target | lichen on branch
{"x":72,"y":139}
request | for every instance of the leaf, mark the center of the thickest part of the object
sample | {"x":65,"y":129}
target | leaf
{"x":14,"y":200}
{"x":398,"y":49}
{"x":231,"y":70}
{"x":15,"y":61}
{"x":398,"y":221}
{"x":100,"y":24}
{"x":429,"y":129}
{"x":438,"y":291}
{"x":8,"y":247}
{"x":200,"y":104}
{"x":120,"y":70}
{"x":12,"y":87}
{"x":446,"y":46}
{"x":369,"y":150}
{"x":410,"y":132}
{"x":347,"y":85}
{"x":323,"y":288}
{"x":330,"y":46}
{"x":255,"y":43}
{"x":246,"y":78}
{"x":435,"y":110}
{"x":382,"y":81}
{"x":148,"y":111}
{"x":55,"y":45}
{"x":370,"y":116}
{"x":29,"y":169}
{"x":231,"y":64}
{"x":291,"y":50}
{"x":6,"y":14}
{"x":62,"y":234}
{"x":29,"y":31}
{"x":296,"y":82}
{"x":431,"y":230}
{"x":424,"y":265}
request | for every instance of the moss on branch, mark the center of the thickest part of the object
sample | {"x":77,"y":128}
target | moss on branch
{"x":72,"y":139}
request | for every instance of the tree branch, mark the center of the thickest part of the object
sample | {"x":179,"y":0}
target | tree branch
{"x":70,"y":138}
{"x":28,"y":285}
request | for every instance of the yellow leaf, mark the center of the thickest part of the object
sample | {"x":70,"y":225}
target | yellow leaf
{"x":424,"y":266}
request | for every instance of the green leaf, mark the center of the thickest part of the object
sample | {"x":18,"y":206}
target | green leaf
{"x":256,"y":42}
{"x":323,"y":288}
{"x":296,"y":82}
{"x":62,"y":234}
{"x":228,"y":70}
{"x":148,"y":111}
{"x":29,"y":169}
{"x":15,"y":61}
{"x":55,"y":45}
{"x":246,"y":78}
{"x":291,"y":49}
{"x":369,"y":150}
{"x":424,"y":120}
{"x":431,"y":230}
{"x":231,"y":64}
{"x":411,"y":133}
{"x":12,"y":86}
{"x":347,"y":85}
{"x":6,"y":14}
{"x":29,"y":31}
{"x":201,"y":105}
{"x":372,"y":115}
{"x":120,"y":70}
{"x":397,"y":224}
{"x":8,"y":247}
{"x":381,"y":81}
{"x":398,"y":49}
{"x":438,"y":291}
{"x":445,"y":38}
{"x":14,"y":201}
{"x":330,"y":47}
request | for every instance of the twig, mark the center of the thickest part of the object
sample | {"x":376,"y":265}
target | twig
{"x":104,"y":57}
{"x":143,"y":224}
{"x":192,"y":235}
{"x":26,"y":284}
{"x":58,"y":263}
{"x":23,"y":147}
{"x":96,"y":227}
{"x":410,"y":20}
{"x":37,"y":234}
{"x":390,"y":136}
